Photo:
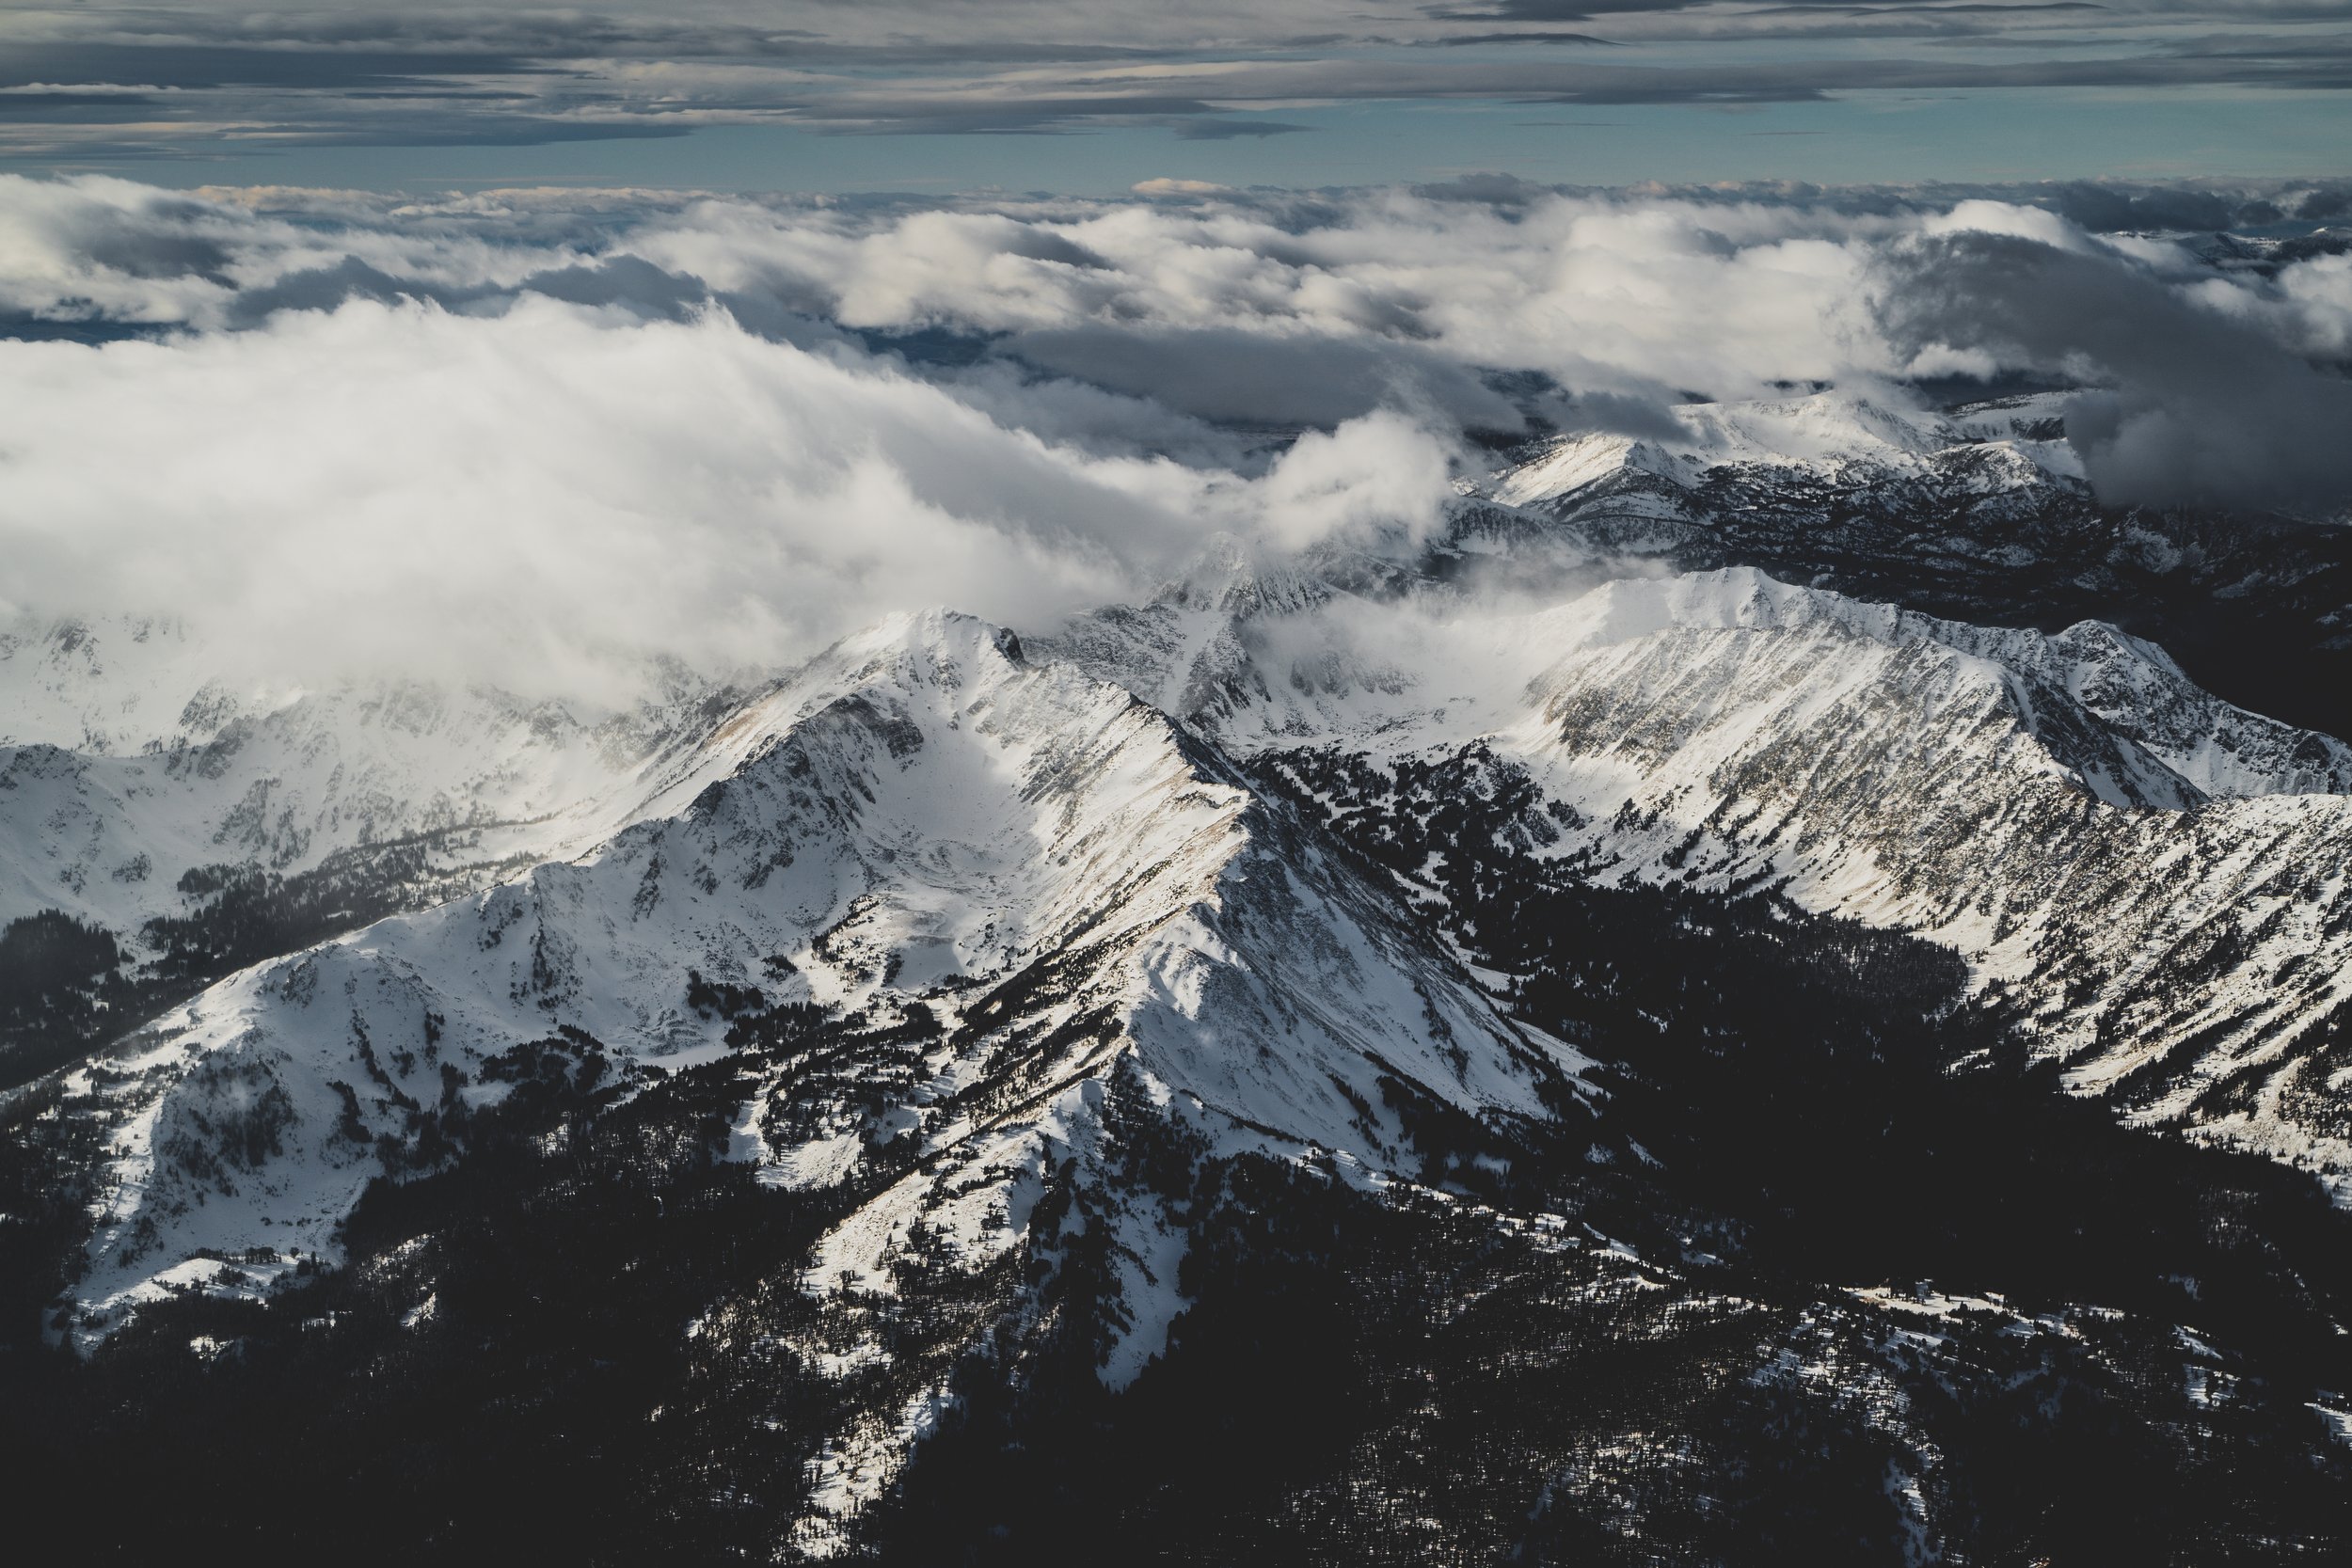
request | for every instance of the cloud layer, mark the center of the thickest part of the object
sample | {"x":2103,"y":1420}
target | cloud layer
{"x":2195,"y":410}
{"x":159,"y":81}
{"x":545,"y":496}
{"x":533,"y":437}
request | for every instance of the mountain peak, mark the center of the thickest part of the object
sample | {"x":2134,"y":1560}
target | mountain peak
{"x":1229,"y":577}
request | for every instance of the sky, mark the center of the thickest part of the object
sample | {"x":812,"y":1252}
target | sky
{"x":1093,"y":97}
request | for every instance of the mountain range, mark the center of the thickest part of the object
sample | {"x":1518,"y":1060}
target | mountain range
{"x":1771,"y":995}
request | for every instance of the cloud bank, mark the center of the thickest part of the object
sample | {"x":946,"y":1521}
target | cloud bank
{"x":542,"y":494}
{"x":534,"y":437}
{"x":2196,"y":409}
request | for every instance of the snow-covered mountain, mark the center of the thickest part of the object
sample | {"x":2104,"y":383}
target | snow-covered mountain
{"x":1455,"y":918}
{"x":1015,"y":881}
{"x":2154,"y":874}
{"x":1984,"y":462}
{"x":1978,"y":515}
{"x":127,"y":766}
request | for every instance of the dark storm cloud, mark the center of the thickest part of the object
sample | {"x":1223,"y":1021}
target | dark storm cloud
{"x":1865,"y":8}
{"x":88,"y":108}
{"x":2288,"y":64}
{"x":2201,"y":409}
{"x":2301,"y":62}
{"x":2107,"y":209}
{"x":1619,"y":415}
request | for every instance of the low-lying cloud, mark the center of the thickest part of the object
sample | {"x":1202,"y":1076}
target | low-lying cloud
{"x":2189,"y":408}
{"x":542,"y":499}
{"x":530,"y":436}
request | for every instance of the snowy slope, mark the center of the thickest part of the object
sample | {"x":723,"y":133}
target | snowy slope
{"x":1829,"y":437}
{"x":1951,"y":507}
{"x":1979,"y":513}
{"x":2157,"y":874}
{"x":927,"y":913}
{"x":118,"y":687}
{"x":907,"y":936}
{"x":922,"y":820}
{"x":123,"y":767}
{"x":1011,"y":883}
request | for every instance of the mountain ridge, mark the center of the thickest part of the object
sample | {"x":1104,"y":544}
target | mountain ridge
{"x":975,"y":1039}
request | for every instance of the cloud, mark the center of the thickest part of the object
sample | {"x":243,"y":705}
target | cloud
{"x":195,"y":64}
{"x":542,"y":498}
{"x":530,"y":436}
{"x":2196,"y":410}
{"x":1559,"y":10}
{"x":1228,"y":375}
{"x":1463,"y":41}
{"x":1637,"y":298}
{"x":351,"y":72}
{"x":1722,"y":291}
{"x":1226,"y":129}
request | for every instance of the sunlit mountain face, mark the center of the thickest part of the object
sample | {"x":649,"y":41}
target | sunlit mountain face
{"x":1462,"y":870}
